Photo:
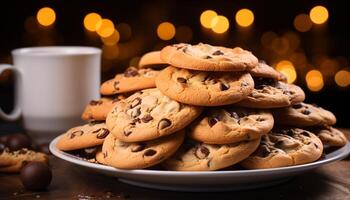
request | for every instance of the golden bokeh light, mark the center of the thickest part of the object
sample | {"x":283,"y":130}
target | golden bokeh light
{"x":314,"y":80}
{"x":280,"y":45}
{"x":219,"y":24}
{"x":183,"y":34}
{"x":125,"y":31}
{"x":319,"y":14}
{"x":105,"y":28}
{"x":342,"y":78}
{"x":91,"y":20}
{"x":244,"y":17}
{"x":110,"y":52}
{"x":287,"y":68}
{"x":302,"y":23}
{"x":267,"y":38}
{"x":46,"y":16}
{"x":206,"y":18}
{"x":112,"y":39}
{"x":166,"y":31}
{"x":293,"y":40}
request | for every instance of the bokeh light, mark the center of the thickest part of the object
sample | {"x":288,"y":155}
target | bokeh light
{"x":244,"y":17}
{"x":110,"y":52}
{"x":314,"y":80}
{"x":105,"y":28}
{"x":280,"y":45}
{"x":319,"y":14}
{"x":206,"y":18}
{"x":287,"y":68}
{"x":46,"y":16}
{"x":267,"y":38}
{"x":183,"y":34}
{"x":125,"y":31}
{"x":302,"y":23}
{"x":91,"y":20}
{"x":166,"y":31}
{"x":220,"y":24}
{"x":112,"y":39}
{"x":342,"y":78}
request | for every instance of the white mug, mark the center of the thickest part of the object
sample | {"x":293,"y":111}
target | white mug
{"x":53,"y":85}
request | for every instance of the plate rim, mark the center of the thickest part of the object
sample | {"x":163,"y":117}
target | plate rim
{"x":336,"y":155}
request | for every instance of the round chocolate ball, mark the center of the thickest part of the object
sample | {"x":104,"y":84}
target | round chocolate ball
{"x":18,"y":141}
{"x":44,"y":147}
{"x":36,"y":176}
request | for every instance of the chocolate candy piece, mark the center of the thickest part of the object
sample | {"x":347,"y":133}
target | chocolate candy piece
{"x":146,"y":118}
{"x":213,"y":121}
{"x":130,"y":72}
{"x":164,"y":123}
{"x":297,"y":106}
{"x":306,"y":112}
{"x":149,"y":152}
{"x":224,"y":87}
{"x":3,"y":139}
{"x":218,"y":52}
{"x":36,"y":176}
{"x":202,"y":152}
{"x":18,"y":141}
{"x":95,"y":103}
{"x":103,"y":134}
{"x":181,"y":80}
{"x":44,"y":147}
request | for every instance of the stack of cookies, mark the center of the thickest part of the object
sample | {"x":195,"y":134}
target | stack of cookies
{"x":202,"y":107}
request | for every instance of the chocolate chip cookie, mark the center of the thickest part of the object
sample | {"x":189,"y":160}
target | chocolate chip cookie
{"x":206,"y":57}
{"x":269,"y":93}
{"x":133,"y":79}
{"x":265,"y":71}
{"x":204,"y":88}
{"x":147,"y":115}
{"x":330,"y":137}
{"x":285,"y":147}
{"x":13,"y":161}
{"x":97,"y":110}
{"x":138,"y":155}
{"x":88,"y":135}
{"x":152,"y":60}
{"x":303,"y":114}
{"x":230,"y":124}
{"x":195,"y":156}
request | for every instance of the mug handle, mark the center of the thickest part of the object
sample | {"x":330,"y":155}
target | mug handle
{"x":16,"y":112}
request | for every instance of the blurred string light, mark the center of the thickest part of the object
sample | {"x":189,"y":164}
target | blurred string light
{"x":125,"y":31}
{"x":183,"y":34}
{"x":302,"y":23}
{"x":112,"y":39}
{"x":219,"y":24}
{"x":287,"y":68}
{"x":166,"y":31}
{"x":319,"y":14}
{"x":91,"y":20}
{"x":314,"y":80}
{"x":105,"y":28}
{"x":206,"y":18}
{"x":244,"y":17}
{"x":46,"y":16}
{"x":342,"y":78}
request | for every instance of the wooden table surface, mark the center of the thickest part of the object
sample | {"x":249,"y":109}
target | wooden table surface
{"x":70,"y":182}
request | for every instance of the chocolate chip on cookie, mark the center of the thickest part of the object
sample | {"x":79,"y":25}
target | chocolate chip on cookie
{"x":149,"y":115}
{"x":206,"y":57}
{"x":208,"y":88}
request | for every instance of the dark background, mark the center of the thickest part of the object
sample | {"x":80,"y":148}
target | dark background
{"x":330,"y":40}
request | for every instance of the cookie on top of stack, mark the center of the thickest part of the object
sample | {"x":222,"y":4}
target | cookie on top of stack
{"x":201,"y":107}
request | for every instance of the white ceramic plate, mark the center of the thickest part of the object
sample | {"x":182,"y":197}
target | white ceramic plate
{"x":202,"y":181}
